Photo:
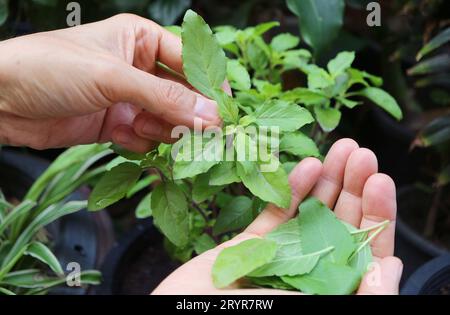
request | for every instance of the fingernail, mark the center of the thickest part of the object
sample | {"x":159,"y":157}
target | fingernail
{"x":206,"y":109}
{"x":123,"y":137}
{"x":399,"y":271}
{"x":151,"y":129}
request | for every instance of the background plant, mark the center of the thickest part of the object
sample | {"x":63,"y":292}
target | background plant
{"x":27,"y":264}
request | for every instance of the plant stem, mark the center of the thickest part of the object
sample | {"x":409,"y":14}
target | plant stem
{"x":203,"y":214}
{"x":432,"y":213}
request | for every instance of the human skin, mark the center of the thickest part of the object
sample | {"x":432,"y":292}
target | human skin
{"x":100,"y":82}
{"x":348,"y":182}
{"x":97,"y":82}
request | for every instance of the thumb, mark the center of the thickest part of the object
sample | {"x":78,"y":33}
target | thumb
{"x":383,"y":278}
{"x":169,"y":100}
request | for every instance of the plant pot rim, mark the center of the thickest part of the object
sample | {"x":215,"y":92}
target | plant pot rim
{"x":428,"y":275}
{"x":413,"y":237}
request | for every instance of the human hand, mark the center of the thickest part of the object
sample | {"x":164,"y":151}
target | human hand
{"x":347,"y":182}
{"x":97,"y":82}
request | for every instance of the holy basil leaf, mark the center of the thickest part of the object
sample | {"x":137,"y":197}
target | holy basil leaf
{"x":228,"y":109}
{"x":361,"y":260}
{"x":287,"y":237}
{"x":170,"y":212}
{"x":273,"y":282}
{"x":114,"y":185}
{"x":319,"y":229}
{"x":202,"y":190}
{"x":318,"y":78}
{"x":224,"y":173}
{"x":269,"y":186}
{"x":327,"y":278}
{"x":292,"y":265}
{"x":383,"y":100}
{"x":238,"y":76}
{"x":204,"y":243}
{"x":234,"y":216}
{"x":237,"y":261}
{"x":144,"y":209}
{"x":204,"y":61}
{"x":298,"y":144}
{"x":286,"y":116}
{"x":327,"y":117}
{"x":283,"y":42}
{"x":304,"y":96}
{"x":197,"y":154}
{"x":341,"y":63}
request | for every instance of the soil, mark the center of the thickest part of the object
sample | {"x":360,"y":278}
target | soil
{"x":147,"y":270}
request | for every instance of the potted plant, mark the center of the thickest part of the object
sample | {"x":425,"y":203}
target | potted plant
{"x":197,"y":203}
{"x":433,"y":278}
{"x":42,"y":229}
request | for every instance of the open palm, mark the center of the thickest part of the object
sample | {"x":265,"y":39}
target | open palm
{"x":348,"y":182}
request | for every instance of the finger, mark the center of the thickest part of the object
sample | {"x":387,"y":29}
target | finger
{"x":361,"y":164}
{"x":165,"y":99}
{"x":169,"y":49}
{"x":383,"y":278}
{"x":379,"y":204}
{"x":128,"y":139}
{"x":302,"y":179}
{"x":329,"y":184}
{"x":150,"y":127}
{"x":163,"y":74}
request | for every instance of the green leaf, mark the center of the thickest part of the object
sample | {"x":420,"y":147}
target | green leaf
{"x":204,"y":243}
{"x":319,"y":229}
{"x":225,"y":35}
{"x":204,"y":61}
{"x":197,"y":154}
{"x":257,"y":55}
{"x":237,"y":261}
{"x":68,"y":158}
{"x":11,"y":218}
{"x":4,"y":11}
{"x":286,"y":116}
{"x":114,"y":185}
{"x":144,"y":208}
{"x":142,"y":184}
{"x":341,"y":63}
{"x":269,"y":186}
{"x":127,"y":154}
{"x":167,"y":12}
{"x":224,"y":173}
{"x":327,"y":117}
{"x":327,"y":278}
{"x":262,"y":28}
{"x":361,"y":260}
{"x":234,"y":216}
{"x":238,"y":76}
{"x":202,"y":189}
{"x":170,"y":212}
{"x":287,"y":237}
{"x":298,"y":144}
{"x":436,"y":42}
{"x":44,"y":254}
{"x":273,"y":282}
{"x":383,"y":100}
{"x":228,"y":109}
{"x":347,"y":103}
{"x":318,"y":78}
{"x":434,"y":64}
{"x":304,"y":96}
{"x":290,"y":265}
{"x":283,"y":42}
{"x":4,"y":291}
{"x":320,"y":21}
{"x":436,"y":132}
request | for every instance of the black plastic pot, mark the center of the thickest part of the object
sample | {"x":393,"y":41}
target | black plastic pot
{"x":82,"y":237}
{"x":391,"y":141}
{"x":137,"y":263}
{"x":433,"y":278}
{"x":411,"y":246}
